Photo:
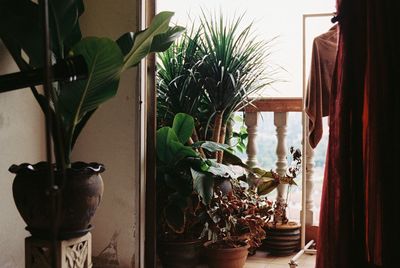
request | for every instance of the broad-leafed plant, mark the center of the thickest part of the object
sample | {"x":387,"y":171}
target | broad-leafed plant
{"x":72,"y":104}
{"x":185,"y":179}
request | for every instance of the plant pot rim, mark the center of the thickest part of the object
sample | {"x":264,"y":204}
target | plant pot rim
{"x":208,"y":243}
{"x":180,"y":242}
{"x":286,"y":226}
{"x":77,"y":167}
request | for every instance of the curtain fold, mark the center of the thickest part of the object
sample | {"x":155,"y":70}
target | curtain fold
{"x":359,"y":224}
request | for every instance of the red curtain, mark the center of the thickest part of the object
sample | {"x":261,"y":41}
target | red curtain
{"x":360,"y":208}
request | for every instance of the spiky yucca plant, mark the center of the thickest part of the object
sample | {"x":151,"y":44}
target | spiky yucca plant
{"x":233,"y":66}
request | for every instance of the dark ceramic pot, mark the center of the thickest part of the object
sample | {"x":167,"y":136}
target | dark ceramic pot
{"x":179,"y":254}
{"x":79,"y":198}
{"x":282,"y":239}
{"x":225,"y":257}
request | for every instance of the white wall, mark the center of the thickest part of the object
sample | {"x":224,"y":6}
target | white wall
{"x":21,"y":140}
{"x":110,"y":136}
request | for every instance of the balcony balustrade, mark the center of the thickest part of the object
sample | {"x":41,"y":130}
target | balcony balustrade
{"x":280,"y":107}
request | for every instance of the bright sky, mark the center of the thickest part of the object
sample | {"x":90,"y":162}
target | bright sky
{"x":272,"y":18}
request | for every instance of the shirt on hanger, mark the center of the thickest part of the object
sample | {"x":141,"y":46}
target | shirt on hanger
{"x":319,"y":83}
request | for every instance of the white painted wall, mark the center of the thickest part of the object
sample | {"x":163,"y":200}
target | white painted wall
{"x":21,"y":140}
{"x":110,"y":136}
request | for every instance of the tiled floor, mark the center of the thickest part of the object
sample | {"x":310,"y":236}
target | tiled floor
{"x":263,"y":260}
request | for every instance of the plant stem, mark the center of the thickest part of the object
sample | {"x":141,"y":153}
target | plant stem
{"x":217,"y":127}
{"x":220,"y":154}
{"x":195,"y":138}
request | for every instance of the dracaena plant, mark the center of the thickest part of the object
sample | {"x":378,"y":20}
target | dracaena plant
{"x":72,"y":104}
{"x":234,"y":66}
{"x":211,"y":73}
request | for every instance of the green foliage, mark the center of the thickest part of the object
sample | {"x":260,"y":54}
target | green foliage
{"x":210,"y":73}
{"x":182,"y":174}
{"x":233,"y":63}
{"x":73,"y":104}
{"x":177,"y":90}
{"x":175,"y":162}
{"x":238,"y":138}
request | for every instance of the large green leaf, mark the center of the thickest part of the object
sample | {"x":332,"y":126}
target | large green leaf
{"x":222,"y":170}
{"x":180,"y":151}
{"x":266,"y":185}
{"x":104,"y":60}
{"x":163,"y":41}
{"x":232,"y":159}
{"x":203,"y":184}
{"x":212,"y":147}
{"x":163,"y":152}
{"x":143,"y":41}
{"x":183,"y":126}
{"x":169,"y":149}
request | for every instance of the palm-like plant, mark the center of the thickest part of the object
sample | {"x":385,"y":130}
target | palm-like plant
{"x":177,"y":88}
{"x":233,"y":66}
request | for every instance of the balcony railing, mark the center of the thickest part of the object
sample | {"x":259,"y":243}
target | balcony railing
{"x":280,"y":107}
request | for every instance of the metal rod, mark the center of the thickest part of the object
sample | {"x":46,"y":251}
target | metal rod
{"x":293,"y":261}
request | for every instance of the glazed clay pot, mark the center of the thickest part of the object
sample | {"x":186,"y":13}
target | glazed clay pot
{"x":225,"y":257}
{"x":179,"y":254}
{"x":79,"y":198}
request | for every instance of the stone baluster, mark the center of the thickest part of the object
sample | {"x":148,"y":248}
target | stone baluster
{"x":280,"y":122}
{"x":251,"y":121}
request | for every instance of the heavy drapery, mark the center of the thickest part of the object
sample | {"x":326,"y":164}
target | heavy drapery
{"x":360,"y":207}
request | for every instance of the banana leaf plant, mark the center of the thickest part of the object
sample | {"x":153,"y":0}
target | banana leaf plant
{"x":72,"y":104}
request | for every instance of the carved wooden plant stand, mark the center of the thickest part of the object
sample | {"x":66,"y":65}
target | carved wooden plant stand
{"x":72,"y":253}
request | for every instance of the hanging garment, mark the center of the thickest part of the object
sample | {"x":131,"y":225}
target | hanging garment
{"x":319,"y":84}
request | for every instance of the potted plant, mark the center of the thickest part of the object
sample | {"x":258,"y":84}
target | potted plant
{"x":211,"y":73}
{"x":180,"y":212}
{"x":283,"y":236}
{"x":65,"y":210}
{"x":235,"y":225}
{"x":185,"y":187}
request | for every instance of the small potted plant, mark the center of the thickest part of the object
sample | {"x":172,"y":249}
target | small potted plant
{"x":65,"y":209}
{"x":283,"y":236}
{"x":235,"y":226}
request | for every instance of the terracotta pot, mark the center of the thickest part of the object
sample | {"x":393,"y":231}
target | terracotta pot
{"x":79,"y":198}
{"x":282,"y":239}
{"x":179,"y":254}
{"x":225,"y":257}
